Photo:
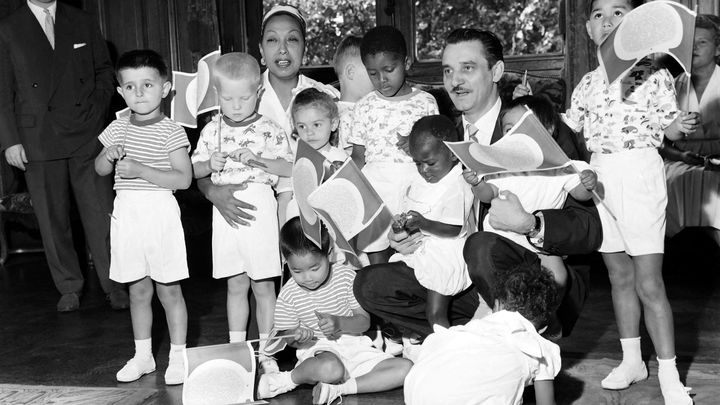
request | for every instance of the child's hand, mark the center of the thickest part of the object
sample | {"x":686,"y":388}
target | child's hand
{"x":329,"y":325}
{"x":522,"y":90}
{"x":217,"y":161}
{"x":414,"y":221}
{"x":129,"y":168}
{"x":243,"y":155}
{"x":115,"y":152}
{"x":403,"y":144}
{"x":470,"y":177}
{"x":303,"y":335}
{"x":588,"y":178}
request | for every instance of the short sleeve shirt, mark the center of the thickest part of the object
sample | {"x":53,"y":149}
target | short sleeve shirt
{"x":148,"y":142}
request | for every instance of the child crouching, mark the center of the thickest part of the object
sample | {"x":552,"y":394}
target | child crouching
{"x":318,"y":308}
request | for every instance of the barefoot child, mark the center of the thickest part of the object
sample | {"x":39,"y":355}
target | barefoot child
{"x":318,"y":308}
{"x":241,"y":146}
{"x":149,"y":154}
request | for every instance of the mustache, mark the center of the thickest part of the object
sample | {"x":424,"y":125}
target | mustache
{"x":459,"y":88}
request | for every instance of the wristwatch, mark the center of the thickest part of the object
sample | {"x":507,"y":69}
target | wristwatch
{"x":536,"y":228}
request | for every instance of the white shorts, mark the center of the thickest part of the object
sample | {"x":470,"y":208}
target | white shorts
{"x":146,"y":237}
{"x":253,"y":249}
{"x":387,"y":179}
{"x":356,"y":353}
{"x":636,"y":193}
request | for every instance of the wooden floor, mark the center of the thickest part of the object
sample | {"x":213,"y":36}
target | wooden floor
{"x":39,"y":346}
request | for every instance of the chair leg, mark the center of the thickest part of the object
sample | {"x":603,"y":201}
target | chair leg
{"x":3,"y":241}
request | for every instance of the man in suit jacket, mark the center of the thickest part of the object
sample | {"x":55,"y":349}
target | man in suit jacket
{"x":56,"y":81}
{"x":472,"y":67}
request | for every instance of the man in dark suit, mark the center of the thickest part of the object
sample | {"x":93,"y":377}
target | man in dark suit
{"x":56,"y":81}
{"x":472,"y":67}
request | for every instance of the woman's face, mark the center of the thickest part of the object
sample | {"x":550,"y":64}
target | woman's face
{"x":282,"y":46}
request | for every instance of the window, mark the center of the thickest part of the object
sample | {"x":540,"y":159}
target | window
{"x":525,"y":27}
{"x":329,"y":22}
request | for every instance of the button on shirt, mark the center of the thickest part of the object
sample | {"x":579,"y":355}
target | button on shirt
{"x":484,"y":124}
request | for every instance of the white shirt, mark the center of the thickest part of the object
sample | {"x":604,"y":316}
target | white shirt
{"x":39,"y":12}
{"x":484,"y":124}
{"x":706,"y":139}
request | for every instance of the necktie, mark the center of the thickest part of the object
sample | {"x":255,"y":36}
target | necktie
{"x":49,"y":27}
{"x":472,"y":131}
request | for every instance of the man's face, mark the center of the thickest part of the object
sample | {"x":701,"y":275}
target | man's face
{"x":468,"y":78}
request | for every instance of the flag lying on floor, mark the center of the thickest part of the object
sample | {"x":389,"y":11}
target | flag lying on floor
{"x":654,"y":27}
{"x":351,"y":207}
{"x":219,"y":374}
{"x":194,"y":92}
{"x":307,"y":173}
{"x":527,"y":148}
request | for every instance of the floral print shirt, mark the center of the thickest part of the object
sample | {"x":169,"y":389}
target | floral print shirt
{"x":631,"y":113}
{"x":378,"y":120}
{"x":263,"y":136}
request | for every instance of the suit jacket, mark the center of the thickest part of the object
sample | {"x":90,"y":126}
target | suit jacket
{"x":53,"y":102}
{"x":573,"y":229}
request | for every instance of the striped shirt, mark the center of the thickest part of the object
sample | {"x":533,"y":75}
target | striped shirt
{"x":148,"y":142}
{"x":296,"y":305}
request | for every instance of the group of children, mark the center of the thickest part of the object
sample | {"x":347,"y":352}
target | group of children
{"x":393,"y":132}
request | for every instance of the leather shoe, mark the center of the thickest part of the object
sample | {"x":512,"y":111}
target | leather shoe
{"x":69,"y":302}
{"x":119,"y":299}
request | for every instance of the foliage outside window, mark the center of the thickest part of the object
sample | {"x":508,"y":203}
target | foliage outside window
{"x":329,"y":21}
{"x":526,"y":27}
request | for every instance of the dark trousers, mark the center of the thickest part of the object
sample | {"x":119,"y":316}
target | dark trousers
{"x":50,"y":184}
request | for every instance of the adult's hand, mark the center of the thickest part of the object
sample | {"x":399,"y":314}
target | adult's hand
{"x":232,"y":210}
{"x":507,"y":214}
{"x":403,"y":243}
{"x":15,"y":156}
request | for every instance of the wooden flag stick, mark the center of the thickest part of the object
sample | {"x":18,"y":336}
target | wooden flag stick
{"x":219,"y":130}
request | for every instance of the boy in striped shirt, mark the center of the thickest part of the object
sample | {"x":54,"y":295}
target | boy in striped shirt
{"x":317,"y":306}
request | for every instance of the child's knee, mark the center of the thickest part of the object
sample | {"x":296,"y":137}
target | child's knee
{"x":169,"y":293}
{"x":140,"y":293}
{"x":263,"y":289}
{"x":650,"y":290}
{"x":330,"y":369}
{"x":238,"y":285}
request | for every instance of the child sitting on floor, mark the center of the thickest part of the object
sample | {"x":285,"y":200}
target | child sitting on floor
{"x":318,"y":308}
{"x":490,"y":360}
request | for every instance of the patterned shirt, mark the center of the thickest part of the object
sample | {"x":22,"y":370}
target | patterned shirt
{"x":148,"y":142}
{"x":631,"y":113}
{"x":296,"y":305}
{"x":345,"y":115}
{"x":379,"y":120}
{"x":261,"y":135}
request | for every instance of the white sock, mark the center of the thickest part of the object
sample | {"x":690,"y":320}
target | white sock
{"x":263,"y":343}
{"x":176,"y":350}
{"x":238,"y":336}
{"x":667,"y":371}
{"x":143,"y":348}
{"x":632,"y":354}
{"x":349,"y":387}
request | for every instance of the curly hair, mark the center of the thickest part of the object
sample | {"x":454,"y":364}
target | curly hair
{"x":383,"y":38}
{"x":531,"y":291}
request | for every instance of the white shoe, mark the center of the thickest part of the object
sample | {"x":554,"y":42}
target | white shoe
{"x":325,"y":394}
{"x":268,"y":365}
{"x":175,"y":373}
{"x":677,"y":394}
{"x":621,"y":377}
{"x":135,"y":368}
{"x":411,"y":349}
{"x":272,"y":385}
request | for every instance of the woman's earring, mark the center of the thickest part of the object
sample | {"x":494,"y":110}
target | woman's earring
{"x":262,"y":61}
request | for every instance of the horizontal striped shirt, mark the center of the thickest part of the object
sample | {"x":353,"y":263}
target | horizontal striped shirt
{"x":148,"y":142}
{"x":296,"y":305}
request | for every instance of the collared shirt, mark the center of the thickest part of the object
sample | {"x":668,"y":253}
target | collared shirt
{"x":485,"y":124}
{"x":39,"y":12}
{"x":706,"y":139}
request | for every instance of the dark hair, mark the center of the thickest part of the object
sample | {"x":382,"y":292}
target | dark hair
{"x":633,"y":4}
{"x":541,"y":106}
{"x":140,"y":58}
{"x":383,"y":38}
{"x":705,"y":21}
{"x":294,"y":242}
{"x":529,"y":290}
{"x":491,"y":43}
{"x":312,"y":97}
{"x":437,"y":126}
{"x":348,"y":47}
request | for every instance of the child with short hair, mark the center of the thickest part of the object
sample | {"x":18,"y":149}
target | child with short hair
{"x":623,"y":124}
{"x":241,"y":146}
{"x":354,"y":84}
{"x":383,"y":119}
{"x":315,"y":115}
{"x":492,"y":359}
{"x":536,"y":191}
{"x":438,"y":204}
{"x":318,"y":308}
{"x":149,"y":154}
